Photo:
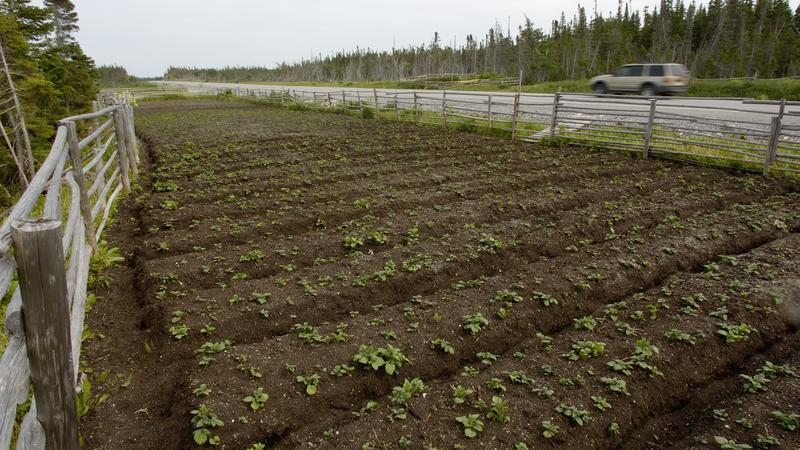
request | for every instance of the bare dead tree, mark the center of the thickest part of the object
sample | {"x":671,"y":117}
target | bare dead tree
{"x":17,"y":118}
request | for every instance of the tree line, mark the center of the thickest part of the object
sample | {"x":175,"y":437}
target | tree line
{"x":52,"y":76}
{"x":721,"y":39}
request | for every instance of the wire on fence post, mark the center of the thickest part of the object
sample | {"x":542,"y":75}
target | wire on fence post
{"x":772,"y":145}
{"x":554,"y":114}
{"x":444,"y":108}
{"x":46,"y":315}
{"x":514,"y":120}
{"x":122,"y":151}
{"x":648,"y":132}
{"x":77,"y":174}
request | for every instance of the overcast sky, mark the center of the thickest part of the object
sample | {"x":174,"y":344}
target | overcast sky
{"x":147,"y":36}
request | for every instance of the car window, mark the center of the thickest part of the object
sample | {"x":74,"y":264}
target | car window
{"x":635,"y":71}
{"x":629,"y":71}
{"x":657,"y":71}
{"x":622,"y":71}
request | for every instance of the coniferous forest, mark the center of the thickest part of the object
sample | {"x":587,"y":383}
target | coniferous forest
{"x":714,"y":39}
{"x":53,"y":77}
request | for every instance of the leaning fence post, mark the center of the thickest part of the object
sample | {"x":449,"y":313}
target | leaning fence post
{"x":648,"y":132}
{"x":122,"y":151}
{"x":77,"y":174}
{"x":444,"y":108}
{"x":514,"y":119}
{"x":46,"y":318}
{"x":554,"y":114}
{"x":490,"y":111}
{"x":772,"y":145}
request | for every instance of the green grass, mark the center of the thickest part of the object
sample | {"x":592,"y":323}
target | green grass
{"x":788,"y":89}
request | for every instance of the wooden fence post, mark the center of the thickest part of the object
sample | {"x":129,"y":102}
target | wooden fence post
{"x":344,"y":100}
{"x":416,"y":108}
{"x":46,"y":318}
{"x":396,"y":107}
{"x":330,"y":102}
{"x":490,"y":111}
{"x":648,"y":132}
{"x":514,"y":118}
{"x":554,"y":114}
{"x":375,"y":94}
{"x":122,"y":151}
{"x":360,"y":104}
{"x":77,"y":174}
{"x":98,"y":142}
{"x":444,"y":108}
{"x":130,"y":141}
{"x":772,"y":145}
{"x":132,"y":123}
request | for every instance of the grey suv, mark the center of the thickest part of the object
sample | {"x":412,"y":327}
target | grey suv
{"x":646,"y":79}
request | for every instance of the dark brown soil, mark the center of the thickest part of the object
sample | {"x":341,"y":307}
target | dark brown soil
{"x":289,"y":239}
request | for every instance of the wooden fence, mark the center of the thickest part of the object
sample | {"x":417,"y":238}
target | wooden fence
{"x":754,"y":135}
{"x":52,"y":246}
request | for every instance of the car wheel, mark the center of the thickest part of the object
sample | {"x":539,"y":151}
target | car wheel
{"x":648,"y":90}
{"x":599,"y":89}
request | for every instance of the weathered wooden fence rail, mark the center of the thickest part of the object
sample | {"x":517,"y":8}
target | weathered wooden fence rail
{"x":755,"y":135}
{"x":52,"y":247}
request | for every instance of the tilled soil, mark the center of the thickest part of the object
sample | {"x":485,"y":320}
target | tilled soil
{"x":533,"y":297}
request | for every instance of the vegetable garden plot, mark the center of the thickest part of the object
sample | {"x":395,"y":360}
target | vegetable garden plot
{"x":316,"y":280}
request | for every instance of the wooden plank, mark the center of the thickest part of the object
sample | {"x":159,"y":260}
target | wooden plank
{"x":14,"y":386}
{"x":31,"y":433}
{"x":92,"y":115}
{"x":52,"y":201}
{"x":96,"y":134}
{"x":30,"y":197}
{"x":43,"y":284}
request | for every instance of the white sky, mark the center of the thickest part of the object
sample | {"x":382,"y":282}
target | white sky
{"x":147,"y":36}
